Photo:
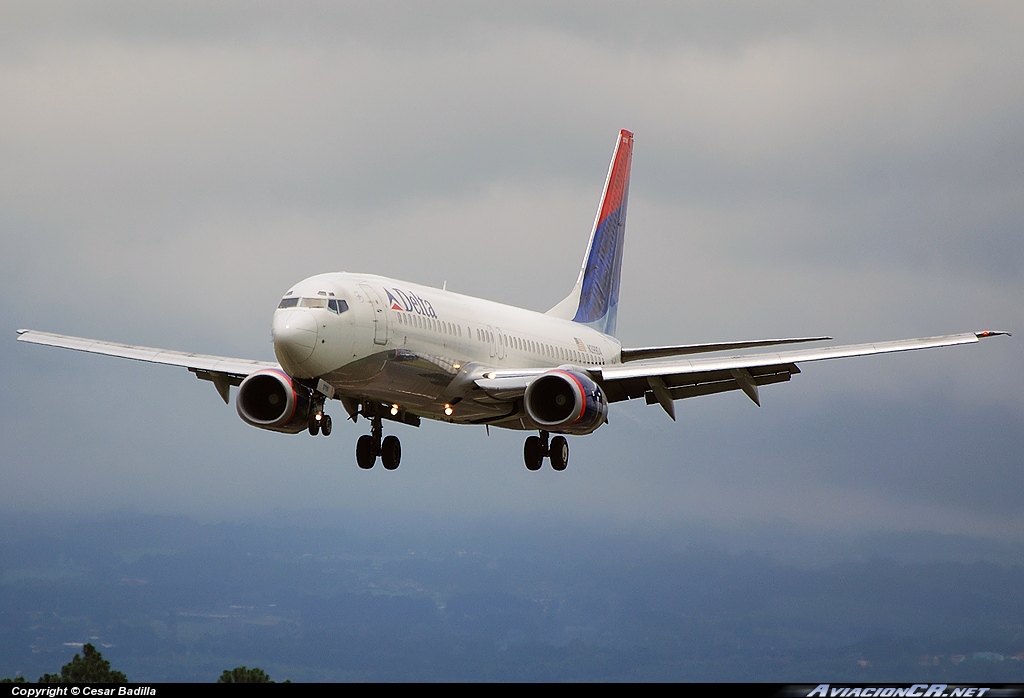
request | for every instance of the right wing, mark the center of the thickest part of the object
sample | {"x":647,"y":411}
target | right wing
{"x":222,"y":371}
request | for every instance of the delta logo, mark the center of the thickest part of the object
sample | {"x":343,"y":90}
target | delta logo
{"x":409,"y":302}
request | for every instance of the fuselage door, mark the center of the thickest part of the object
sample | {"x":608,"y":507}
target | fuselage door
{"x":380,"y":317}
{"x":500,"y":343}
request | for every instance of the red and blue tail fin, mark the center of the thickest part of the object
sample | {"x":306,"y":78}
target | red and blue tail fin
{"x":594,"y":300}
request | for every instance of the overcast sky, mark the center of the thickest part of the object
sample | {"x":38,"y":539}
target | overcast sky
{"x":168,"y":170}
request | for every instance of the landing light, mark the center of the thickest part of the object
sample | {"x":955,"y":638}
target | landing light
{"x":456,"y":366}
{"x":448,"y":410}
{"x":394,"y":410}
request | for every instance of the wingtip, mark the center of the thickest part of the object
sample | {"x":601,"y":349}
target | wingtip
{"x":21,"y":332}
{"x":991,"y":333}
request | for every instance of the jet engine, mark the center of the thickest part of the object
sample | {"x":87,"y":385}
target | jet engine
{"x":269,"y":400}
{"x":566,"y":402}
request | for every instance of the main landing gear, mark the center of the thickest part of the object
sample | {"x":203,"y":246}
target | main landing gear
{"x":537,"y":449}
{"x":371,"y":445}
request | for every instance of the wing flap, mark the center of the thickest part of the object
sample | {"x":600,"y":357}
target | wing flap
{"x":708,"y":386}
{"x":684,"y":385}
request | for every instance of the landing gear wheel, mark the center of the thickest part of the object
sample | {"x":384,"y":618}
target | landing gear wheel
{"x":366,"y":454}
{"x":559,"y":453}
{"x":533,"y":453}
{"x":325,"y":425}
{"x":314,"y":425}
{"x":391,"y":452}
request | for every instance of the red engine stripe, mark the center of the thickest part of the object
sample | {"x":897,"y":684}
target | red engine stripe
{"x":583,"y":396}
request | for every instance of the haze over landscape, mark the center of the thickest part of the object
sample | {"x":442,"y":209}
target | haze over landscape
{"x":168,"y":170}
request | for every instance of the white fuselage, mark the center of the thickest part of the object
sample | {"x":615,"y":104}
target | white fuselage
{"x":419,"y":347}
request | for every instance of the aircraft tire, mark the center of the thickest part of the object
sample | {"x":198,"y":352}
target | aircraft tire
{"x":314,"y":426}
{"x":325,"y":425}
{"x":365,"y":455}
{"x":559,"y":453}
{"x":391,"y":452}
{"x":533,"y":453}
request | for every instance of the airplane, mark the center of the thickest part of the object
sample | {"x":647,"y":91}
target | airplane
{"x":393,"y":350}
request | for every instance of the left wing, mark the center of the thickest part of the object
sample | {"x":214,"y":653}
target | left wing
{"x":222,"y":371}
{"x":663,"y":382}
{"x":666,"y":381}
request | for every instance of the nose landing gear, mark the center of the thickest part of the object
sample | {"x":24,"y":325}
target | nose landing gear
{"x":537,"y":449}
{"x":319,"y":423}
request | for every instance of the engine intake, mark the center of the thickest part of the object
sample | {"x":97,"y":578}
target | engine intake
{"x":268,"y":399}
{"x":566,"y":402}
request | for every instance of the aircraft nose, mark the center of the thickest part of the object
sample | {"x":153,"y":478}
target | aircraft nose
{"x":294,"y":336}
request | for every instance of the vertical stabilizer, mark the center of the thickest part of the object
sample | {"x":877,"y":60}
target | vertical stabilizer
{"x":594,"y":300}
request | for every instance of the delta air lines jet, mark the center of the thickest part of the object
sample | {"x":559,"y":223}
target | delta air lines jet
{"x":392,"y":350}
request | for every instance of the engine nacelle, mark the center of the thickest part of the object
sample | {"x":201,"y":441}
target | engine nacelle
{"x":566,"y":402}
{"x":269,"y":400}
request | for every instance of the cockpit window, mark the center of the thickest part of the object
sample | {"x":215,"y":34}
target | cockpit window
{"x":335,"y":305}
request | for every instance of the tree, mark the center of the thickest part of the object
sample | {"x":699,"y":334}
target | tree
{"x":89,"y":667}
{"x":241,"y":674}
